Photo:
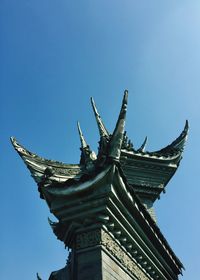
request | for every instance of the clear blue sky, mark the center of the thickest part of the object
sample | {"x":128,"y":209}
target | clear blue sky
{"x":55,"y":55}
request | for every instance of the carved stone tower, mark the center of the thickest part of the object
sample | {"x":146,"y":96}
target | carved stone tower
{"x":104,"y":206}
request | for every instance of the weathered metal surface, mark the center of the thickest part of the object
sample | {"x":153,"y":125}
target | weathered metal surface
{"x":150,"y":171}
{"x":102,"y":201}
{"x":88,"y":157}
{"x":101,"y":191}
{"x":115,"y":143}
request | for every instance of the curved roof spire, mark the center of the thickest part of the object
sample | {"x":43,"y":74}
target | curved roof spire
{"x":87,"y":156}
{"x":178,"y":144}
{"x":82,"y":139}
{"x":38,"y":277}
{"x":102,"y":129}
{"x":118,"y":134}
{"x":142,"y":148}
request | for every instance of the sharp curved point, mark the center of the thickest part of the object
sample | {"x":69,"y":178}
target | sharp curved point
{"x":87,"y":154}
{"x":178,"y":144}
{"x":82,"y":139}
{"x":184,"y":133}
{"x":92,"y":101}
{"x":18,"y":147}
{"x":122,"y":114}
{"x":21,"y":150}
{"x":102,"y":129}
{"x":94,"y":106}
{"x":79,"y":128}
{"x":118,"y":134}
{"x":12,"y":139}
{"x":125,"y":99}
{"x":38,"y":277}
{"x":143,"y":146}
{"x":186,"y":128}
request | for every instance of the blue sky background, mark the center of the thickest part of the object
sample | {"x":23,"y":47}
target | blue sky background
{"x":55,"y":55}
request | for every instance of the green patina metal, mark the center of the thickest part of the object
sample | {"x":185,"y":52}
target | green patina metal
{"x":112,"y":192}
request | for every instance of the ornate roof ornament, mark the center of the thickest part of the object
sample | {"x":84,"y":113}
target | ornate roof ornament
{"x":84,"y":145}
{"x":136,"y":164}
{"x":142,"y":148}
{"x":120,"y":179}
{"x":87,"y":156}
{"x":38,"y":277}
{"x":110,"y":144}
{"x":127,"y":144}
{"x":177,"y":146}
{"x":102,"y":129}
{"x":116,"y":141}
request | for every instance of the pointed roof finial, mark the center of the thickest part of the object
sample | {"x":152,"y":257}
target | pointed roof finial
{"x":118,"y":134}
{"x":83,"y":142}
{"x":178,"y":144}
{"x":38,"y":277}
{"x":186,"y":128}
{"x":87,"y":156}
{"x":102,"y":129}
{"x":142,"y":148}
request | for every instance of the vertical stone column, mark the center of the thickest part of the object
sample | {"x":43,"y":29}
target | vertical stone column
{"x":88,"y":256}
{"x":98,"y":256}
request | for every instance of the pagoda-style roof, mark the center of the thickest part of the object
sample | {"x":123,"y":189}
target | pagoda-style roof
{"x":147,"y":172}
{"x":108,"y":190}
{"x":114,"y":187}
{"x":42,"y":169}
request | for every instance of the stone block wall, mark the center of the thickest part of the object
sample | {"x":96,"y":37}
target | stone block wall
{"x":100,"y":257}
{"x":112,"y":270}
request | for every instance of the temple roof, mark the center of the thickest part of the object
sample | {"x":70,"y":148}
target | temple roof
{"x":42,"y":168}
{"x":113,"y":176}
{"x":147,"y":172}
{"x":130,"y":174}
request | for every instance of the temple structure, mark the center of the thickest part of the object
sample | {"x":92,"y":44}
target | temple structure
{"x":104,"y":205}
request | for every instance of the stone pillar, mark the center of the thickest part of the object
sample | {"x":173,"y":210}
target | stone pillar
{"x":99,"y":256}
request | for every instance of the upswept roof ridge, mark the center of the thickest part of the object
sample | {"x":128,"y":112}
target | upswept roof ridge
{"x":115,"y":146}
{"x":129,"y":198}
{"x":56,"y":178}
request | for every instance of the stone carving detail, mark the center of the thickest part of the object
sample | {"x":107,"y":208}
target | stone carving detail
{"x":112,"y":246}
{"x":88,"y":239}
{"x":100,"y":237}
{"x":67,"y":171}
